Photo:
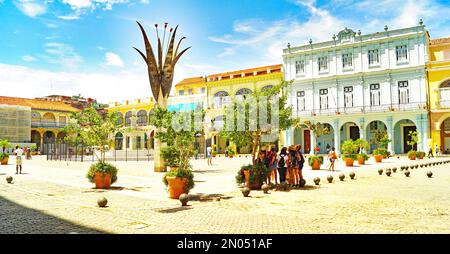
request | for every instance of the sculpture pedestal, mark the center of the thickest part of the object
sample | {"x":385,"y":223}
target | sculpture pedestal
{"x":159,"y":163}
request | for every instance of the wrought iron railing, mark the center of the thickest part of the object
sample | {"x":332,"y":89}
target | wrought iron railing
{"x":48,"y":125}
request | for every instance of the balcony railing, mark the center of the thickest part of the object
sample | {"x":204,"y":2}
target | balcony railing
{"x":363,"y":109}
{"x":48,"y":125}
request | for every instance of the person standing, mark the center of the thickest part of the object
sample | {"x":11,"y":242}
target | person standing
{"x":273,"y":165}
{"x":301,"y":162}
{"x":437,"y":151}
{"x":281,"y":165}
{"x":292,"y":165}
{"x":209,"y":155}
{"x":430,"y":151}
{"x":332,"y":156}
{"x":18,"y":152}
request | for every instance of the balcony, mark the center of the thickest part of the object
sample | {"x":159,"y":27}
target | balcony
{"x":49,"y":125}
{"x":364,"y":109}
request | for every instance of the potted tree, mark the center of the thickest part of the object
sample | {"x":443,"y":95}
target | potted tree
{"x":231,"y":151}
{"x":413,"y":143}
{"x":381,"y":140}
{"x":379,"y":154}
{"x":420,"y":155}
{"x":241,"y":109}
{"x":315,"y":161}
{"x":362,"y":145}
{"x":180,"y":147}
{"x":95,"y":129}
{"x":253,"y":175}
{"x":349,"y":150}
{"x":4,"y":156}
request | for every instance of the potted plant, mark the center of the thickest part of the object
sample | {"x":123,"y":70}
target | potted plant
{"x":315,"y":161}
{"x":362,"y":157}
{"x":95,"y":129}
{"x":180,"y":146}
{"x":412,"y":155}
{"x":231,"y":151}
{"x":4,"y":157}
{"x":379,"y":154}
{"x":349,"y":150}
{"x":33,"y":149}
{"x":253,"y":175}
{"x":381,"y":140}
{"x":420,"y":155}
{"x":362,"y":145}
{"x":102,"y":174}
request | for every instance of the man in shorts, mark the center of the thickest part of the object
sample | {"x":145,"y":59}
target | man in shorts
{"x":18,"y":152}
{"x":209,"y":155}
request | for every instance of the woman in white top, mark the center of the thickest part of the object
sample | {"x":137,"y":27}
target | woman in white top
{"x":18,"y":152}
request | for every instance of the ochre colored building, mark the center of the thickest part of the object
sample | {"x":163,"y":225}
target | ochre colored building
{"x":438,"y":75}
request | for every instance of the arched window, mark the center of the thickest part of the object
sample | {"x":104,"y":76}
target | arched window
{"x":444,"y":94}
{"x":128,"y":118}
{"x":151,"y":113}
{"x":266,"y":88}
{"x":220,"y":99}
{"x":142,"y":118}
{"x":243,"y":91}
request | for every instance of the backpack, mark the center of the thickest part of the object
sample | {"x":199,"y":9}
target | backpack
{"x":281,"y":162}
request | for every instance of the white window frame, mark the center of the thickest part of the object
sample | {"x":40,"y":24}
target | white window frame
{"x":323,"y":99}
{"x":375,"y":93}
{"x":346,"y":59}
{"x":404,"y":95}
{"x":370,"y":52}
{"x":322,"y":60}
{"x":403,"y":50}
{"x":348,"y":97}
{"x":300,"y":67}
{"x":301,"y":106}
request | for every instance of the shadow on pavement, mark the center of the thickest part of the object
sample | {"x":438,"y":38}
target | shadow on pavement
{"x":17,"y":219}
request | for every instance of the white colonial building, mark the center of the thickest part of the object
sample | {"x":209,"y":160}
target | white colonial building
{"x":356,"y":84}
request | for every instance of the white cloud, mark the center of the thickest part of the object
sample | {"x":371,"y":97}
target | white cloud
{"x":112,"y":59}
{"x":28,"y":58}
{"x":31,"y":8}
{"x":62,"y":54}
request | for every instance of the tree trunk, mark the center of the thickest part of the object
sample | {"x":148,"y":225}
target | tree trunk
{"x":159,"y":163}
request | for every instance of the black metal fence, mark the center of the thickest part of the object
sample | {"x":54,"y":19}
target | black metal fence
{"x":65,"y":152}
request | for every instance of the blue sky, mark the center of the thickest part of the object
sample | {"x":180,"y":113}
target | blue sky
{"x":85,"y":46}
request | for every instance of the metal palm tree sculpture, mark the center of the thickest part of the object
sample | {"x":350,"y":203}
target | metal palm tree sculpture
{"x":160,"y":74}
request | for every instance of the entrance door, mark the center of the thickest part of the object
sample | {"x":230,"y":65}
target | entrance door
{"x":306,"y":141}
{"x":354,"y":133}
{"x":406,"y":138}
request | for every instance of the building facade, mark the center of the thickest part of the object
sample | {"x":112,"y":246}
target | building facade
{"x":38,"y":121}
{"x":438,"y":74}
{"x":358,"y":84}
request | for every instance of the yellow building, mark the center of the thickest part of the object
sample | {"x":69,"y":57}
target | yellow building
{"x":47,"y":119}
{"x":222,"y":86}
{"x":438,"y":75}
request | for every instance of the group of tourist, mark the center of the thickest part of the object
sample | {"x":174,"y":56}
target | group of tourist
{"x":287,"y":164}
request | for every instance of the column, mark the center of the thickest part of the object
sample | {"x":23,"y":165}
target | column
{"x":424,"y":133}
{"x":361,"y":128}
{"x":313,"y":142}
{"x":287,"y":137}
{"x":419,"y":132}
{"x":390,"y":132}
{"x":337,"y":136}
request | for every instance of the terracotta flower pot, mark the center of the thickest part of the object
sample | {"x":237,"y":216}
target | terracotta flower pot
{"x":315,"y":165}
{"x":102,"y":181}
{"x":361,"y":161}
{"x":5,"y":161}
{"x":247,"y":178}
{"x":412,"y":157}
{"x":230,"y":156}
{"x":176,"y":186}
{"x":349,"y":162}
{"x":378,"y":158}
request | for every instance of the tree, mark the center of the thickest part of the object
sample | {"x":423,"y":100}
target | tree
{"x":381,"y":139}
{"x":92,"y":129}
{"x":414,"y":135}
{"x":361,"y":144}
{"x":254,"y":131}
{"x":4,"y":144}
{"x":317,"y":129}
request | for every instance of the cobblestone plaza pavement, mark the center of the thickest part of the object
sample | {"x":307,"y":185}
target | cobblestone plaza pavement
{"x":55,"y":197}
